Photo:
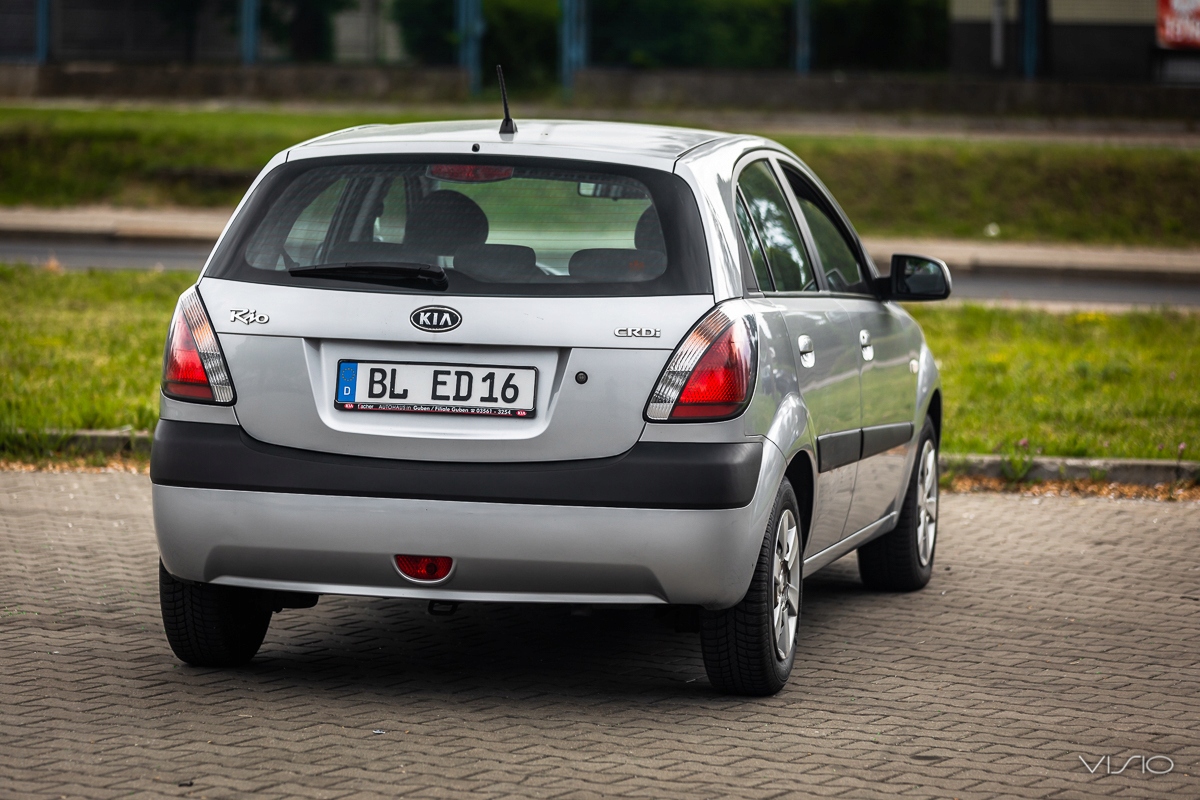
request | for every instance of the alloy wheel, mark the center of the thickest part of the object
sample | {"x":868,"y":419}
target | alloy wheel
{"x":927,"y":503}
{"x":786,"y":571}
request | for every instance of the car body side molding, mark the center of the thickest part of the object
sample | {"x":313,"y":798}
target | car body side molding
{"x":838,"y":449}
{"x":881,"y":438}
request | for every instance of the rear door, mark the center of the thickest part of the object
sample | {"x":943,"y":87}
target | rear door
{"x":888,"y":343}
{"x":562,"y":293}
{"x":827,"y":371}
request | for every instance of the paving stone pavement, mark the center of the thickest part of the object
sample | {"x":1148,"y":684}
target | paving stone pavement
{"x":1053,"y":629}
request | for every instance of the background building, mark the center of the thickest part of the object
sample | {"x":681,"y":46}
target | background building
{"x":367,"y":34}
{"x":1071,"y":41}
{"x":1063,"y":40}
{"x":198,"y":31}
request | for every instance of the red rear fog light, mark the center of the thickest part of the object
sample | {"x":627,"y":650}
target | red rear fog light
{"x":424,"y":568}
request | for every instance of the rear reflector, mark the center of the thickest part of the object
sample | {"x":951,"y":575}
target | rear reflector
{"x":193,"y":366}
{"x":428,"y":569}
{"x":710,"y":375}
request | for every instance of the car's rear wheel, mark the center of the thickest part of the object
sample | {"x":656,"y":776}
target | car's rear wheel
{"x":749,"y":649}
{"x":902,"y":560}
{"x":212,"y":626}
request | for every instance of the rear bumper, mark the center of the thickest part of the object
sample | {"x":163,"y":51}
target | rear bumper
{"x":502,"y":552}
{"x":511,"y":549}
{"x":664,"y":475}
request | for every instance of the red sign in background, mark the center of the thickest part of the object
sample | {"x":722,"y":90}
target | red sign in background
{"x":1179,"y":23}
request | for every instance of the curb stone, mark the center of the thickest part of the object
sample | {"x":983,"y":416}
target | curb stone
{"x":1138,"y":471}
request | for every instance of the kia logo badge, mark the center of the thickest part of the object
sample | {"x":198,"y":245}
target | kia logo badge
{"x":435,"y":319}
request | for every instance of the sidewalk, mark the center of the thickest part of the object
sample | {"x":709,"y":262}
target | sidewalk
{"x":105,"y":222}
{"x":205,"y":225}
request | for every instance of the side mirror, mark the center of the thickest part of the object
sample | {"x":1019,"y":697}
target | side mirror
{"x":916,"y":279}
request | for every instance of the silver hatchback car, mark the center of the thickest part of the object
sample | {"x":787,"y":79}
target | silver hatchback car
{"x":577,"y":363}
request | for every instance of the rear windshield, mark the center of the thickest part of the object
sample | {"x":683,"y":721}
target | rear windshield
{"x":457,"y":227}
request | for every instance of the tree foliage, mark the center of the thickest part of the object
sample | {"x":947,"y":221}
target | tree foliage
{"x":900,"y":35}
{"x":521,"y":35}
{"x":303,"y":27}
{"x":428,"y":30}
{"x":727,"y":34}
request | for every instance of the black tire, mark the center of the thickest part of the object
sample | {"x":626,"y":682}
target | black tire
{"x":739,"y":643}
{"x":893,"y":562}
{"x":212,"y":626}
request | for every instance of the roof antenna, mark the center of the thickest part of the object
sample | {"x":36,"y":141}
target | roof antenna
{"x":507,"y":126}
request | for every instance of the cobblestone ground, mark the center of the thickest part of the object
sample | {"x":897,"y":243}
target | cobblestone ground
{"x":1052,"y":630}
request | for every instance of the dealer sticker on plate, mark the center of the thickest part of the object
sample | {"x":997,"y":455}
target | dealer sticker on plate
{"x":492,"y":391}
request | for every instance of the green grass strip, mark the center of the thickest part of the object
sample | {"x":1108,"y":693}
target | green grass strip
{"x":84,"y":350}
{"x":1068,"y":192}
{"x":1085,"y":384}
{"x":1032,"y":191}
{"x":80,"y":351}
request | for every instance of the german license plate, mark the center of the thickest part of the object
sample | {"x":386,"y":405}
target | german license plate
{"x":467,"y":389}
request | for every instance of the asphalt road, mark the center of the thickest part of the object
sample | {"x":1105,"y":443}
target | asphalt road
{"x":97,"y":254}
{"x":1051,"y":288}
{"x":1052,"y":656}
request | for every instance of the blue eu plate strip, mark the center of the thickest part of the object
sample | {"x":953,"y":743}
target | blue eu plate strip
{"x":347,"y":381}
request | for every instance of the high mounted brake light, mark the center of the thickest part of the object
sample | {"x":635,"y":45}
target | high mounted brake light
{"x":193,"y":367}
{"x":469,"y":173}
{"x":710,"y":375}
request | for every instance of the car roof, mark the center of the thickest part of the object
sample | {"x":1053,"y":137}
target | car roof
{"x":614,"y":138}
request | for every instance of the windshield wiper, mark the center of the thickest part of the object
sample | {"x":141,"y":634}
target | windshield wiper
{"x":376,"y":272}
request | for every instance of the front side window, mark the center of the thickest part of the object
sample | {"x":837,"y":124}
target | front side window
{"x":523,"y":226}
{"x":768,"y":210}
{"x":843,"y":271}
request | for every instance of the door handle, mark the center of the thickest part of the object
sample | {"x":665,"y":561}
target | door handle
{"x":804,"y":346}
{"x":864,"y":341}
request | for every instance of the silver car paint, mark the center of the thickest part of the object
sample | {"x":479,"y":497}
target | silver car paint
{"x":284,"y":370}
{"x":195,"y":412}
{"x":191,"y":523}
{"x":502,"y":551}
{"x":889,"y":395}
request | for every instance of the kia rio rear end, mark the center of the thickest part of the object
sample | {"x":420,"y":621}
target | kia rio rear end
{"x":583,"y":363}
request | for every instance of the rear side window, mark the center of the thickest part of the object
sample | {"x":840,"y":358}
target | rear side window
{"x":758,"y":258}
{"x":776,"y":229}
{"x":517,"y":226}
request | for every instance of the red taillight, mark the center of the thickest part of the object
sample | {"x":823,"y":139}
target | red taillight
{"x":424,"y":568}
{"x":183,"y":374}
{"x":720,"y":383}
{"x":193,"y":367}
{"x":470,"y":173}
{"x":710,"y":376}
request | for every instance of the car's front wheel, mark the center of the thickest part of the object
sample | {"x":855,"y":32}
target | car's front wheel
{"x":209,"y":625}
{"x":749,"y":649}
{"x":902,"y":560}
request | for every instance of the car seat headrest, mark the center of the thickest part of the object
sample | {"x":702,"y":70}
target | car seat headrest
{"x":498,"y":263}
{"x":444,"y":221}
{"x":648,"y":235}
